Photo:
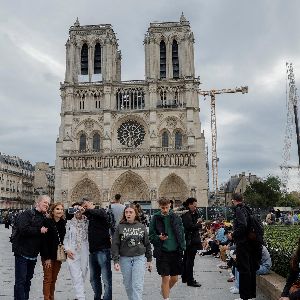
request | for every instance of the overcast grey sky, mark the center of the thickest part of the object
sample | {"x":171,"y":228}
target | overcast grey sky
{"x":237,"y":42}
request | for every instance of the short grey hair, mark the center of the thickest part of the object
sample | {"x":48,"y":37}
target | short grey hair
{"x":42,"y":197}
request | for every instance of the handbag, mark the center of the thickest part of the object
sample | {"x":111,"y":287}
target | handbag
{"x":61,"y":255}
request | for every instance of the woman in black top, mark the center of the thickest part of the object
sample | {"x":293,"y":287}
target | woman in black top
{"x":291,"y":290}
{"x":56,"y":225}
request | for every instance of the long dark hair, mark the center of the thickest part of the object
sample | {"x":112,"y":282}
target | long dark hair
{"x":137,"y":218}
{"x":296,"y":258}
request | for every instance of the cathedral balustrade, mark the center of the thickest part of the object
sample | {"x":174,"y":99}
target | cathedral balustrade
{"x":170,"y":103}
{"x":128,"y":160}
{"x":90,"y":152}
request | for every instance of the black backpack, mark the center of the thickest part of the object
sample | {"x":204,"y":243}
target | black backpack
{"x":111,"y":218}
{"x":15,"y":232}
{"x":255,"y":227}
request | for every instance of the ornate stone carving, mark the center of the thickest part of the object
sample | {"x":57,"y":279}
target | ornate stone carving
{"x":171,"y":122}
{"x":88,"y":125}
{"x":131,"y":186}
{"x":153,"y":134}
{"x":76,"y":120}
{"x":153,"y":194}
{"x":86,"y":188}
{"x":173,"y":187}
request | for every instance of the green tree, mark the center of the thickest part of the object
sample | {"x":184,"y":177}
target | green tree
{"x":264,"y":193}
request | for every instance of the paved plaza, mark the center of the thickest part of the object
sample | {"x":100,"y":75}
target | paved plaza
{"x":213,"y":280}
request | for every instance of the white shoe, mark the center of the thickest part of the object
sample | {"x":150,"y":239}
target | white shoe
{"x":234,"y":290}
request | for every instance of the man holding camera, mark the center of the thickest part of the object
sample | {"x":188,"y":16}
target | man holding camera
{"x":166,"y":233}
{"x":100,"y":250}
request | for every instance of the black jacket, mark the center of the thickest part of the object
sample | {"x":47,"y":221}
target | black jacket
{"x":50,"y":240}
{"x":98,"y":230}
{"x":29,"y":225}
{"x":192,"y":229}
{"x":240,"y":225}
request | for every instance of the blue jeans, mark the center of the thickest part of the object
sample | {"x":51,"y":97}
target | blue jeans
{"x":100,"y":265}
{"x":24,"y":269}
{"x":133,"y":271}
{"x":262,"y":270}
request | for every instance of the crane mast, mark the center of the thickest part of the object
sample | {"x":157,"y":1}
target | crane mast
{"x":212,"y":94}
{"x":292,"y":119}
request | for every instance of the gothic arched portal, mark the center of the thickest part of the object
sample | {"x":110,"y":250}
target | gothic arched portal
{"x":131,"y":187}
{"x":173,"y":188}
{"x":86,"y":188}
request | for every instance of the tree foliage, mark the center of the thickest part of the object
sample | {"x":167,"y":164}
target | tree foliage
{"x":267,"y":193}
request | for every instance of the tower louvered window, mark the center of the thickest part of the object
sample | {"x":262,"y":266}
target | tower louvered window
{"x":163,"y":60}
{"x":165,"y":140}
{"x":82,"y":142}
{"x":178,"y":140}
{"x":96,"y":142}
{"x":97,"y":59}
{"x":175,"y":60}
{"x":84,"y":60}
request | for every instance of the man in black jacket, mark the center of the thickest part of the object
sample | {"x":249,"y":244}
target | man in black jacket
{"x":192,"y":225}
{"x":100,"y":250}
{"x":248,"y":252}
{"x":30,"y":226}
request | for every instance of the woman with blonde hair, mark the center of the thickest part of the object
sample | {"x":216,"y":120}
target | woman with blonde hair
{"x":130,"y":249}
{"x":56,"y":225}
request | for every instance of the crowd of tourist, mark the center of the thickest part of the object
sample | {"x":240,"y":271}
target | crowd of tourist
{"x":90,"y":240}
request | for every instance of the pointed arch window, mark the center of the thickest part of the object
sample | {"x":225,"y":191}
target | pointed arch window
{"x":96,"y":142}
{"x":82,"y":142}
{"x":84,"y":59}
{"x":163,"y":60}
{"x":165,"y":140}
{"x":178,"y":140}
{"x":97,"y":59}
{"x":175,"y":59}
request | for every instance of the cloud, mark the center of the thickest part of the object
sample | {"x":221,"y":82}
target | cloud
{"x":237,"y":43}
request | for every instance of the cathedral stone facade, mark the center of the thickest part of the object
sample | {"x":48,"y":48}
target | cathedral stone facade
{"x":139,"y":138}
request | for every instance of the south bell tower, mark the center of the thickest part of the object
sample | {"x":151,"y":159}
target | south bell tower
{"x":139,"y":138}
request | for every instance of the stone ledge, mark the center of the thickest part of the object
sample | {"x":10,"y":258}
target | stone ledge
{"x":271,"y":285}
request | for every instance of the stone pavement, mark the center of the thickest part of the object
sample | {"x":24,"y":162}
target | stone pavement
{"x":213,"y":280}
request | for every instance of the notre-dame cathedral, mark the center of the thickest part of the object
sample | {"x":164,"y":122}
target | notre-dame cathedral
{"x":140,"y":138}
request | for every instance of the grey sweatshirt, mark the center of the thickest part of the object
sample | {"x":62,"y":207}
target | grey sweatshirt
{"x":130,"y":240}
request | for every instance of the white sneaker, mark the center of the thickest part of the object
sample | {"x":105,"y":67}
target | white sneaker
{"x":234,"y":290}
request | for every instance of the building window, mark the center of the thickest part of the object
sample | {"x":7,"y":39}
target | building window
{"x":165,"y":140}
{"x":82,"y":142}
{"x":96,"y":142}
{"x":178,"y":140}
{"x":81,"y":103}
{"x":163,"y":59}
{"x":175,"y":60}
{"x":97,"y":59}
{"x":84,"y":60}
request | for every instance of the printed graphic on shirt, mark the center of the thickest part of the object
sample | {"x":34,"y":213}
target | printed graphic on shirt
{"x":132,"y":236}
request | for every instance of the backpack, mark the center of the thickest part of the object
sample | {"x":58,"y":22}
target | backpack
{"x":255,"y":228}
{"x":111,"y":218}
{"x":15,"y":232}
